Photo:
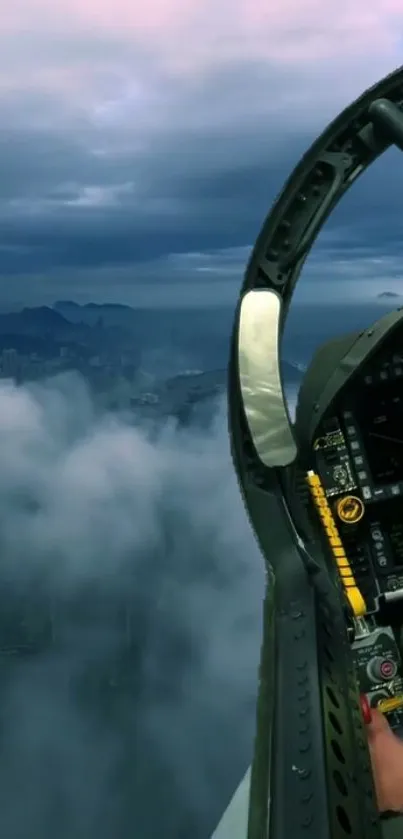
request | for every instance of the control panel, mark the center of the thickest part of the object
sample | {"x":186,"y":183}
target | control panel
{"x":358,"y":456}
{"x":356,"y":484}
{"x":379,"y":669}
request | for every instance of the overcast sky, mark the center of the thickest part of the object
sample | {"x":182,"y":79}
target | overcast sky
{"x":142,"y":147}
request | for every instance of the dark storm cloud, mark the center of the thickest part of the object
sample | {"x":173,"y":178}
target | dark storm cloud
{"x":48,"y":221}
{"x":112,"y":160}
{"x":64,"y":206}
{"x":200,"y":189}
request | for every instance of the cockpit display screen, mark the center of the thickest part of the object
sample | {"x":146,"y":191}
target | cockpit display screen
{"x":381,"y":426}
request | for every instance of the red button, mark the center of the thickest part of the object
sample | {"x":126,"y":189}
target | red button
{"x":387,"y":669}
{"x":366,"y":709}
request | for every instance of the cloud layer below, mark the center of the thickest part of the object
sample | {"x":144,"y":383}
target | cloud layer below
{"x":129,"y":566}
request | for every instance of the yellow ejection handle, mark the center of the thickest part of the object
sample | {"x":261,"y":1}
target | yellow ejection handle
{"x":353,"y":593}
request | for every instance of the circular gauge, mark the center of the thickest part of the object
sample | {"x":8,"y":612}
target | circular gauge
{"x":350,"y":509}
{"x":340,"y":475}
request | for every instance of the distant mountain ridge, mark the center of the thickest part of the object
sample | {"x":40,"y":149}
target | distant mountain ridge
{"x":111,"y":314}
{"x":70,"y":306}
{"x":43,"y":319}
{"x":165,"y":343}
{"x":65,"y":316}
{"x":387,"y":294}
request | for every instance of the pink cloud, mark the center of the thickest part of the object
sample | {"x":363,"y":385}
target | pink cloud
{"x":89,"y":54}
{"x":293,"y":25}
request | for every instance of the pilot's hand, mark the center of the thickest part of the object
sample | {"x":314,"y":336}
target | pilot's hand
{"x":386,"y":752}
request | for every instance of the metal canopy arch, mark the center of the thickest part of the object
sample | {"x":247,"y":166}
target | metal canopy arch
{"x":297,"y":786}
{"x":351,"y":143}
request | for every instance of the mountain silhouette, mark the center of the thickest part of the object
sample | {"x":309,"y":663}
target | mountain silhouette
{"x":34,"y":321}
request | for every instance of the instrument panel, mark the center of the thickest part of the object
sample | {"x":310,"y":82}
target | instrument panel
{"x":357,"y":456}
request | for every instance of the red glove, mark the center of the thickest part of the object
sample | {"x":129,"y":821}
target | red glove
{"x":386,"y":752}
